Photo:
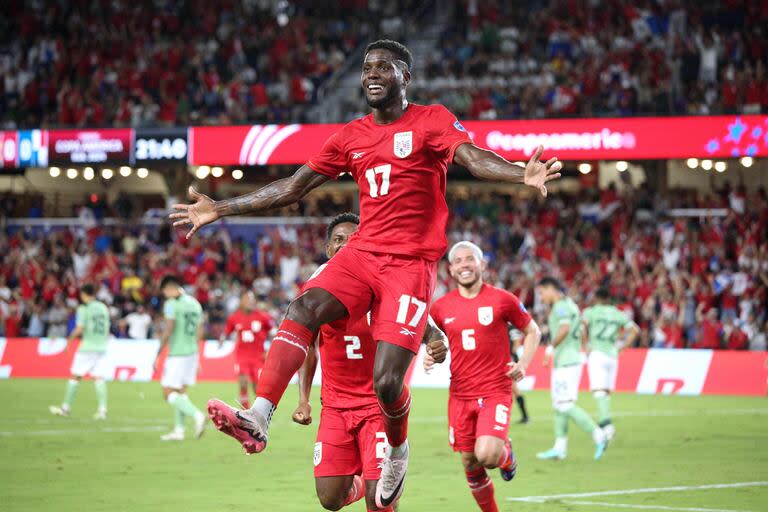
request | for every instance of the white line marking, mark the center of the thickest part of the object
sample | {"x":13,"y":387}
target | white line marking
{"x":623,"y":492}
{"x":651,"y":507}
{"x":67,"y":432}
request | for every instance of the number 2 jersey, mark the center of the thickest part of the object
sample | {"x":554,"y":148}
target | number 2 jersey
{"x":478,"y":338}
{"x":252,"y":329}
{"x":401,"y":170}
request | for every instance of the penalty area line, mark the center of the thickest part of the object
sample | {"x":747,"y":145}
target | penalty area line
{"x":649,"y":507}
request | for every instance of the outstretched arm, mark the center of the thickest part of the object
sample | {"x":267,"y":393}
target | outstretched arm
{"x":279,"y":193}
{"x":487,"y":165}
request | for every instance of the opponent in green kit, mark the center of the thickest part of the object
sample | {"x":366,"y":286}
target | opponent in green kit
{"x":603,"y":323}
{"x":92,"y":327}
{"x":564,"y":329}
{"x":182,"y":332}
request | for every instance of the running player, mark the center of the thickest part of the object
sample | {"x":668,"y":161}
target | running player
{"x":182,"y":332}
{"x":92,"y":327}
{"x":251,"y":327}
{"x":350,"y":440}
{"x":603,"y":323}
{"x":564,"y":328}
{"x":398,"y":155}
{"x":475,"y":317}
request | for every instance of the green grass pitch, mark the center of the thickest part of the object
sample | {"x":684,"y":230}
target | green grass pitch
{"x":76,"y":464}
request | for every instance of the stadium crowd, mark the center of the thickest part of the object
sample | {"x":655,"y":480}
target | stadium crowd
{"x":687,"y":281}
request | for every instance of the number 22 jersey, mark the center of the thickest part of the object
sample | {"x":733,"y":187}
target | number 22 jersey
{"x":401,"y":170}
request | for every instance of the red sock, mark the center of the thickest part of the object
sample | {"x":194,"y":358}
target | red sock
{"x":482,"y":489}
{"x":390,"y":508}
{"x":506,"y":459}
{"x":356,"y":492}
{"x":289,"y":348}
{"x":396,"y":418}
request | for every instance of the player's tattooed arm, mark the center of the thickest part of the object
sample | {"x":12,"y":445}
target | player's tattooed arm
{"x":487,"y":165}
{"x":277,"y":194}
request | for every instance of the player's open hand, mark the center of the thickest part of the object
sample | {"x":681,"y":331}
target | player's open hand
{"x":516,"y":371}
{"x":303,"y":414}
{"x":199,"y":213}
{"x":538,"y":173}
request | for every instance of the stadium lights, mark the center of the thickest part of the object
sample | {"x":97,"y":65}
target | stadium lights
{"x":125,"y":171}
{"x":692,"y":163}
{"x":706,"y":165}
{"x":720,"y":166}
{"x":142,"y":172}
{"x":217,"y":172}
{"x":622,"y":166}
{"x":71,"y":173}
{"x":747,"y":161}
{"x":585,"y":168}
{"x":55,"y":172}
{"x":237,"y":174}
{"x":202,"y":172}
{"x":88,"y":173}
{"x":107,"y":173}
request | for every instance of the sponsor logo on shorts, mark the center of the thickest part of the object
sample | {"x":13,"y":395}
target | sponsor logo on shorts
{"x":318,"y":453}
{"x":451,"y":436}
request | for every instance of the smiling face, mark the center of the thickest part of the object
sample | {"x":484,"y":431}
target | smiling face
{"x":466,"y":269}
{"x":384,"y":78}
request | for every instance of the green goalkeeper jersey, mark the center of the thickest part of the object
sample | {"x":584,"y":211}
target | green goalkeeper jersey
{"x":604,"y":323}
{"x":93,"y":318}
{"x":188,"y":313}
{"x":568,"y":352}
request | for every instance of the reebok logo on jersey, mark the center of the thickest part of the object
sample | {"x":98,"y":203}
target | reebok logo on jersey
{"x":355,"y":156}
{"x":407,"y":332}
{"x":450,"y":320}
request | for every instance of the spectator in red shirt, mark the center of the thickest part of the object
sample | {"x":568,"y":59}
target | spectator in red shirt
{"x":711,"y":330}
{"x":736,"y":339}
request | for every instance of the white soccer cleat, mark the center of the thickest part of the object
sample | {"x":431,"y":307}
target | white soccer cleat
{"x":609,"y":431}
{"x":392,"y":480}
{"x":200,"y":422}
{"x":174,"y":435}
{"x":59,"y":411}
{"x":100,"y":415}
{"x":551,"y":454}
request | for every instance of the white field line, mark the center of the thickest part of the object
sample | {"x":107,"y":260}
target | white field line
{"x":67,"y":432}
{"x":650,"y":507}
{"x":624,"y":492}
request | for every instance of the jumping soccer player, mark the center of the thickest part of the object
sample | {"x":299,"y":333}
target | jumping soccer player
{"x":183,"y":329}
{"x":92,"y":327}
{"x":603,"y":323}
{"x":475,"y":317}
{"x":251,"y":327}
{"x":399,"y":157}
{"x":350,"y":440}
{"x":564,"y":328}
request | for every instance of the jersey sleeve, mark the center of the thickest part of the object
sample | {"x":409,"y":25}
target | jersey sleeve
{"x":434,"y":312}
{"x":330,"y":161}
{"x":515,"y":312}
{"x":230,"y":326}
{"x":446,"y":133}
{"x":169,"y":310}
{"x":80,"y":316}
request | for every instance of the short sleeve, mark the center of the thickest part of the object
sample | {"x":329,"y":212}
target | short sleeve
{"x":434,"y":312}
{"x":330,"y":161}
{"x":515,"y":312}
{"x":446,"y":133}
{"x":80,"y":316}
{"x":230,"y":326}
{"x":169,"y":310}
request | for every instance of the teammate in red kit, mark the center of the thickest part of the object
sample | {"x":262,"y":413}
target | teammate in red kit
{"x":475,"y":316}
{"x":399,"y":156}
{"x":251,"y":327}
{"x":350,"y":440}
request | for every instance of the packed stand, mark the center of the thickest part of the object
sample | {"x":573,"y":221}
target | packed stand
{"x":150,"y":63}
{"x":563,"y":58}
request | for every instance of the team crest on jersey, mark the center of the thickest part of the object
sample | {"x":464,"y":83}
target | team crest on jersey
{"x":485,"y":315}
{"x":403,"y":144}
{"x":318,"y":453}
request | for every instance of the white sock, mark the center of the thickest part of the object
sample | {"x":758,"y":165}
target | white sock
{"x":598,"y":436}
{"x":264,"y":407}
{"x":561,"y":444}
{"x":398,"y":452}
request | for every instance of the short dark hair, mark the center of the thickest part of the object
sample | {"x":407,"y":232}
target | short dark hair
{"x":88,"y":289}
{"x":170,"y":279}
{"x":603,"y":293}
{"x":551,"y":281}
{"x":350,"y":217}
{"x":399,"y":49}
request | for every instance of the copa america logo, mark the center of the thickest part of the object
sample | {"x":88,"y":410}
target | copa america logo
{"x":262,"y":140}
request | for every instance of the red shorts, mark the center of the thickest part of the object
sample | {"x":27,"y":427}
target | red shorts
{"x":470,"y":419}
{"x":350,"y":442}
{"x":249,"y":368}
{"x":397,"y":290}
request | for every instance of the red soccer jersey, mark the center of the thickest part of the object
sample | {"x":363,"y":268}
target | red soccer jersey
{"x":400,"y":169}
{"x":252,"y":329}
{"x":478,"y":338}
{"x":347,"y":352}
